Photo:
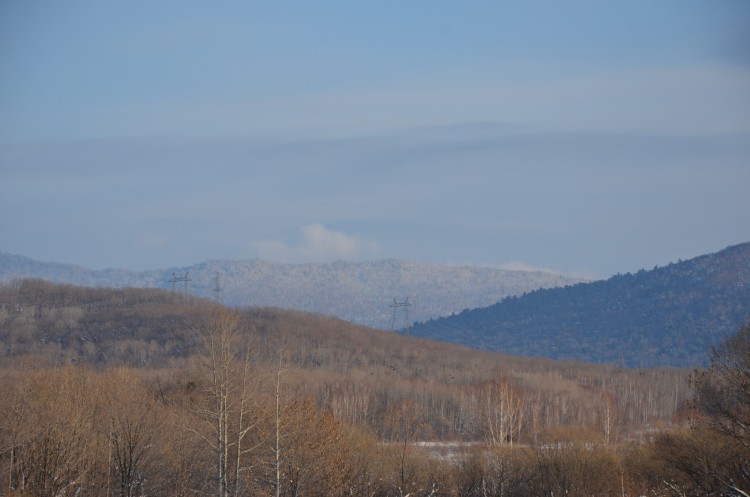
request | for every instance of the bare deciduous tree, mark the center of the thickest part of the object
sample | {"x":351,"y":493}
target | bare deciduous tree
{"x":225,"y":410}
{"x":712,"y":457}
{"x":135,"y":421}
{"x":503,"y":412}
{"x":402,"y":425}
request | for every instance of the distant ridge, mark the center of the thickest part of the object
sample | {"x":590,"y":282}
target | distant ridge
{"x":359,"y":292}
{"x":671,"y":315}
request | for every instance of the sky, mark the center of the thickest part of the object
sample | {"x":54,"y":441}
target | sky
{"x":585,"y":137}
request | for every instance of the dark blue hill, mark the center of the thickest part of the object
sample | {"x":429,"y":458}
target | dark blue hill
{"x":672,"y":315}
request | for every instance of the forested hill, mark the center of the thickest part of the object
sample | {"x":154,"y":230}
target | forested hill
{"x":359,"y":292}
{"x":90,"y":376}
{"x":672,"y":315}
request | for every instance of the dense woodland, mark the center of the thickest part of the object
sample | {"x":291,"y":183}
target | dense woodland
{"x":664,"y":316}
{"x":137,"y":392}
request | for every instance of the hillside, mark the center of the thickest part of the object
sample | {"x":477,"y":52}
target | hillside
{"x":671,"y":315}
{"x":352,"y":370}
{"x":361,"y":293}
{"x":89,"y":376}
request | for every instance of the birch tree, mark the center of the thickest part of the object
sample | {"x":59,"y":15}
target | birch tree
{"x":609,"y":418}
{"x":503,"y":413}
{"x":226,"y":410}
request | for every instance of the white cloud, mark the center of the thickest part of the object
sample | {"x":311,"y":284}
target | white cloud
{"x":318,"y":244}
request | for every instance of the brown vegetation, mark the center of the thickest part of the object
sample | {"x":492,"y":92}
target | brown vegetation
{"x":269,"y":402}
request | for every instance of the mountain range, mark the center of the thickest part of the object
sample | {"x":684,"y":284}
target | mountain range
{"x":386,"y":294}
{"x":670,"y":315}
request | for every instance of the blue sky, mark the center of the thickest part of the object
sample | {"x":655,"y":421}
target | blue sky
{"x":588,"y":137}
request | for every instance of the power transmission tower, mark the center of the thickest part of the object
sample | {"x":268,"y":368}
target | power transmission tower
{"x":175,"y":279}
{"x":404,"y":308}
{"x":217,"y":288}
